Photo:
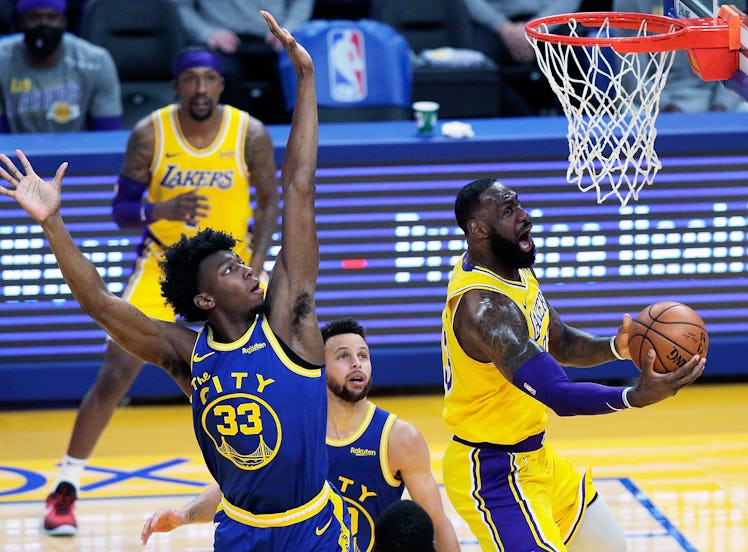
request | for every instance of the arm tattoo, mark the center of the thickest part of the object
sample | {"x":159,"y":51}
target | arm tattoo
{"x":503,"y":328}
{"x":571,"y":346}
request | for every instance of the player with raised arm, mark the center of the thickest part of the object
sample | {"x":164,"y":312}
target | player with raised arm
{"x":374,"y":454}
{"x":188,"y":165}
{"x":255,"y":370}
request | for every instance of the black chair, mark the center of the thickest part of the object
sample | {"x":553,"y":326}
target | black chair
{"x":8,"y":22}
{"x":143,"y":37}
{"x":342,"y":9}
{"x":461,"y":91}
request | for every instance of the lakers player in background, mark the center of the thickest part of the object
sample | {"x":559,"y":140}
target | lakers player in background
{"x":374,"y":455}
{"x":258,"y":392}
{"x":187,"y":166}
{"x":502,"y":344}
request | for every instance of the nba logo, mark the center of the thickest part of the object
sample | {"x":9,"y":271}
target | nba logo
{"x":347,"y":65}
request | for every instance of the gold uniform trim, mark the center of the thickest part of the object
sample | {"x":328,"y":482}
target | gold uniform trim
{"x":384,"y":452}
{"x":281,"y":519}
{"x":359,"y":431}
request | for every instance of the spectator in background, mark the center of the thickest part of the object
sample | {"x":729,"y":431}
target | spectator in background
{"x":53,"y":81}
{"x":235,"y":30}
{"x":499,"y":32}
{"x":685,"y":91}
{"x":404,"y":527}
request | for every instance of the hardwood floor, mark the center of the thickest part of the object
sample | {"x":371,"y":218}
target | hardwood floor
{"x":674,"y":474}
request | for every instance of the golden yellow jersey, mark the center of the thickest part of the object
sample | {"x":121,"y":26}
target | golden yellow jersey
{"x":218,"y":171}
{"x":480,"y":404}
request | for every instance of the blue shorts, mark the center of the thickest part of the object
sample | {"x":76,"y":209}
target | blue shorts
{"x":326,"y":531}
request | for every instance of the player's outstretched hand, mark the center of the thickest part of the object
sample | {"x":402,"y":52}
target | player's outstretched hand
{"x":162,"y":521}
{"x":653,"y":387}
{"x":38,"y":198}
{"x":298,"y":55}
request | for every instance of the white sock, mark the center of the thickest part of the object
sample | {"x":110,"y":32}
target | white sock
{"x":71,"y":470}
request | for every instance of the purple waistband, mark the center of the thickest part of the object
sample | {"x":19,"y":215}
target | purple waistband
{"x":533,"y":442}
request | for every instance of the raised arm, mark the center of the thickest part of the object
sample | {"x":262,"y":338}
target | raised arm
{"x":258,"y":151}
{"x":410,"y":459}
{"x":294,"y":278}
{"x":166,"y":345}
{"x":491,"y":328}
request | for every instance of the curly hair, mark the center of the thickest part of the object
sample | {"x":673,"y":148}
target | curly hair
{"x":179,"y":270}
{"x":342,"y":326}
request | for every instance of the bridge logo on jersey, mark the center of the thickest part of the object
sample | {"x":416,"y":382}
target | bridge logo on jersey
{"x":176,"y":177}
{"x":244,"y":429}
{"x":362,"y":526}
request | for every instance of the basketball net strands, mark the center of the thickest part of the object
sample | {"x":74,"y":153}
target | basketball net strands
{"x":609,"y":85}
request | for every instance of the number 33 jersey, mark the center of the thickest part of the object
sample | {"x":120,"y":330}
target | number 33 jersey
{"x":259,"y":414}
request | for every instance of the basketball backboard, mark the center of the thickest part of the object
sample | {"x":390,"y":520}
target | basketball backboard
{"x":698,"y":8}
{"x":710,"y":8}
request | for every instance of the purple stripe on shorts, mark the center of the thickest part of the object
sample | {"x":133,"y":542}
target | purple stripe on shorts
{"x":583,"y":507}
{"x":500,"y":500}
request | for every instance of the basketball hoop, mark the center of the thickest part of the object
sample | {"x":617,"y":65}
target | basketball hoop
{"x":609,"y":86}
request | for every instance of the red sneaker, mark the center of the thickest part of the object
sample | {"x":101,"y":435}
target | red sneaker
{"x":60,"y":520}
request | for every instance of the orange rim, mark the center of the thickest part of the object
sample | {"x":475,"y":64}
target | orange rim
{"x":669,"y":33}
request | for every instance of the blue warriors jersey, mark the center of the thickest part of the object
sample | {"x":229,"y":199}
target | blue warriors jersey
{"x":360,"y":469}
{"x":260,"y":417}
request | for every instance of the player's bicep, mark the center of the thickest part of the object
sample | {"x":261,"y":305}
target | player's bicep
{"x":139,"y":152}
{"x":410,"y":457}
{"x":494,"y":327}
{"x":259,"y":154}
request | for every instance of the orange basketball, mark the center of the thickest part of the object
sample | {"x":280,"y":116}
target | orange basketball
{"x":673,"y":330}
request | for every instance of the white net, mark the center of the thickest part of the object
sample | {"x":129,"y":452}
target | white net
{"x":611,"y":101}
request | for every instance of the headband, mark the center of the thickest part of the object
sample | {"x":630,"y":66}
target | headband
{"x":195,"y":58}
{"x":28,"y":5}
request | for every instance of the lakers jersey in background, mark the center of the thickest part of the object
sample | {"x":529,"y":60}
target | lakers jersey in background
{"x":217,"y":171}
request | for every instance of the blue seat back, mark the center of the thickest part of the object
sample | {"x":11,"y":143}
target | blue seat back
{"x":357,"y":64}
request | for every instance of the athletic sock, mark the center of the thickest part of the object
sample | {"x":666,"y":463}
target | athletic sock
{"x":71,"y":470}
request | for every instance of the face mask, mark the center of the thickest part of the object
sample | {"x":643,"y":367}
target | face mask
{"x":42,"y":40}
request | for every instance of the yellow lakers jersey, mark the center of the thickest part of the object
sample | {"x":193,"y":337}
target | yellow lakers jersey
{"x":218,"y":171}
{"x":480,"y":404}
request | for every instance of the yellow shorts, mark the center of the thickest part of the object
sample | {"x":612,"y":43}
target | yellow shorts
{"x":144,"y":289}
{"x":516,"y":501}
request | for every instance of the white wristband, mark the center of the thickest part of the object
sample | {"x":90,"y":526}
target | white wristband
{"x":625,"y":397}
{"x":613,"y":348}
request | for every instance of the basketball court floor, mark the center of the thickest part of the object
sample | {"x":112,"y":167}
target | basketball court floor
{"x":674,"y":474}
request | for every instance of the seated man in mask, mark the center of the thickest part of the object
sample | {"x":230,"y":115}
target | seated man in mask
{"x":53,"y":81}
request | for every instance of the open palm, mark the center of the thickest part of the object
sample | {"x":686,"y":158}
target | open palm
{"x":38,"y":198}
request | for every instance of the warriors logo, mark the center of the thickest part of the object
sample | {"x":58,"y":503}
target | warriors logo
{"x":244,"y":429}
{"x":362,"y":526}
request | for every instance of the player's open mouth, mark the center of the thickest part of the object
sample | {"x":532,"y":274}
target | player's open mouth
{"x":357,"y":377}
{"x":525,"y":240}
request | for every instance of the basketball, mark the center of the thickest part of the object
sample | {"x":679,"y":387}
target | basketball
{"x":673,"y":330}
